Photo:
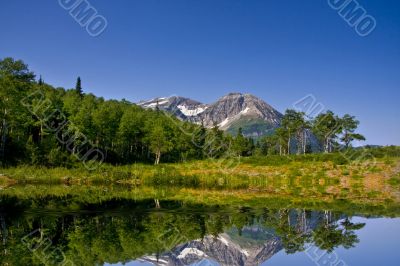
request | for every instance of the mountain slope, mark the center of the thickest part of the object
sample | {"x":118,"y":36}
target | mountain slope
{"x":235,"y":110}
{"x":230,"y":112}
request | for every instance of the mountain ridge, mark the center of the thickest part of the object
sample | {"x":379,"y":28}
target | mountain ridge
{"x":230,"y":112}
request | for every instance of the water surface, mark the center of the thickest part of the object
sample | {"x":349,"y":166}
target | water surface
{"x":69,"y":230}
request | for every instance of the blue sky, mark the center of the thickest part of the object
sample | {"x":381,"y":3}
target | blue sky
{"x":278,"y":50}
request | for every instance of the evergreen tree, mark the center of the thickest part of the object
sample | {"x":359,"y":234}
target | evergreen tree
{"x":40,"y":81}
{"x":239,"y":144}
{"x":78,"y":87}
{"x":266,"y":144}
{"x":215,"y":145}
{"x":199,"y":139}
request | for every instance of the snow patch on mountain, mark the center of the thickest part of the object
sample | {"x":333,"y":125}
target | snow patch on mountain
{"x":245,"y":110}
{"x":154,"y":102}
{"x":153,"y":105}
{"x":223,"y":123}
{"x":191,"y":112}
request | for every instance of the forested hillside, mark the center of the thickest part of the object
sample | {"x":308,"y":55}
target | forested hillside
{"x":44,"y":125}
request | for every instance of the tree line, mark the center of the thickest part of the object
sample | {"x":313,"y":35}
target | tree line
{"x":44,"y":125}
{"x":327,"y":132}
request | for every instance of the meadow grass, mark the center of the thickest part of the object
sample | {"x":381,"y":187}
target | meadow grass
{"x":307,"y":176}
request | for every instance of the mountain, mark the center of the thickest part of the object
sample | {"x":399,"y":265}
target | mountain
{"x":230,"y":112}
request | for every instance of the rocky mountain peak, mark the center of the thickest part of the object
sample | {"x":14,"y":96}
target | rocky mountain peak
{"x":229,"y":112}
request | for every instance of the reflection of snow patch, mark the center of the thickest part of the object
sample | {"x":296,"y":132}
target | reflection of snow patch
{"x":188,"y":251}
{"x":205,"y":262}
{"x":223,"y":240}
{"x":191,"y":112}
{"x":155,"y":259}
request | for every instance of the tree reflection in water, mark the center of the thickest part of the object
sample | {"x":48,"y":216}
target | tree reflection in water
{"x":124,"y":230}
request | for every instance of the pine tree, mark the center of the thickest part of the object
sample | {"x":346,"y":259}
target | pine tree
{"x":239,"y":143}
{"x":40,"y":81}
{"x":78,"y":87}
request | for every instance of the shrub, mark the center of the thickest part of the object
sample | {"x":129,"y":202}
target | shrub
{"x":57,"y":158}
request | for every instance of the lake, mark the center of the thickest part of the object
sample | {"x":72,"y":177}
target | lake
{"x":68,"y":229}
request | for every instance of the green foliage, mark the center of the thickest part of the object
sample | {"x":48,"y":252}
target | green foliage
{"x":249,"y":126}
{"x":47,"y":124}
{"x":276,"y":160}
{"x":326,"y":126}
{"x":242,"y":146}
{"x":78,"y":87}
{"x":349,"y":125}
{"x":158,"y":140}
{"x":57,"y":158}
{"x":297,"y":130}
{"x":381,"y":152}
{"x":294,"y":124}
{"x":395,"y":181}
{"x":357,"y":176}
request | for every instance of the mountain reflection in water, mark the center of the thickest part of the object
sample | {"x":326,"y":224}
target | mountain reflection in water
{"x":260,"y":237}
{"x":36,"y":232}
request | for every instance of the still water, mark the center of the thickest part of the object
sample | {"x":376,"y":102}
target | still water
{"x":116,"y":231}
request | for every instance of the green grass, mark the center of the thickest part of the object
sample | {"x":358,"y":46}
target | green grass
{"x":394,"y":181}
{"x":311,"y":176}
{"x":345,"y":172}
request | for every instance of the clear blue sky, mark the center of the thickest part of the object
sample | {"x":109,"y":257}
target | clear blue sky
{"x":277,"y":50}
